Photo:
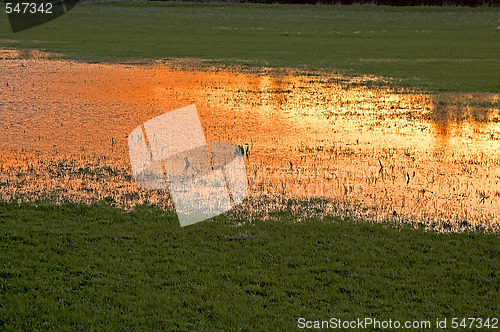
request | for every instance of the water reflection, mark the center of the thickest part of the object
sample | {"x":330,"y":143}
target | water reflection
{"x":389,"y":154}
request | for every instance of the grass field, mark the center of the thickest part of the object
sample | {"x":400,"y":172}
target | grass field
{"x":435,"y":48}
{"x":78,"y":267}
{"x":81,"y":267}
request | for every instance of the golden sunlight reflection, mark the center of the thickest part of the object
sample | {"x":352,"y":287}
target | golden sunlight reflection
{"x":389,"y":154}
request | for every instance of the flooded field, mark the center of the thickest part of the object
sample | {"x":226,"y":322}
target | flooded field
{"x":369,"y":152}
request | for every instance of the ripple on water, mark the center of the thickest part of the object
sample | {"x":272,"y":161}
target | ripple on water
{"x":376,"y":152}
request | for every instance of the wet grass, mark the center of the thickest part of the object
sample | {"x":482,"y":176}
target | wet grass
{"x":434,"y":48}
{"x":96,"y":267}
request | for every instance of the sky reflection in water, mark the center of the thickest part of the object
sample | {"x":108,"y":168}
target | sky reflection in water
{"x":64,"y":129}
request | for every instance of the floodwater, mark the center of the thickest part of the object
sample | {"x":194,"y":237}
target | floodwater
{"x":371,"y":152}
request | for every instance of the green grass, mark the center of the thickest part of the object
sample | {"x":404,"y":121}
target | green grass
{"x":434,"y":48}
{"x":78,"y":267}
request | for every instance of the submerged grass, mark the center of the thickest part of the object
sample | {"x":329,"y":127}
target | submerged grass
{"x":435,"y":48}
{"x":96,"y":267}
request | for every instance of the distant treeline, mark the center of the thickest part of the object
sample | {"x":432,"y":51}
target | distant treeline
{"x":461,"y":3}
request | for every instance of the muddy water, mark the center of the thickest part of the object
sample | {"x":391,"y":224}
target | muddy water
{"x":380,"y":153}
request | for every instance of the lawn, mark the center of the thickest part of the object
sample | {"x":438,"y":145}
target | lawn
{"x":434,"y":48}
{"x":97,"y":267}
{"x":79,"y":267}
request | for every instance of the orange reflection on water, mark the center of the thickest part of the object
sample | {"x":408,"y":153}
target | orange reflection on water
{"x":65,"y":127}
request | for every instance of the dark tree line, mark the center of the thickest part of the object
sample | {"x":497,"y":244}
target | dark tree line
{"x":462,"y":3}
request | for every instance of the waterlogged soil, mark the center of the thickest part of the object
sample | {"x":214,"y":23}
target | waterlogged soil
{"x":327,"y":143}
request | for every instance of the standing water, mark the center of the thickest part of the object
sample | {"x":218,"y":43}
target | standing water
{"x":385,"y":154}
